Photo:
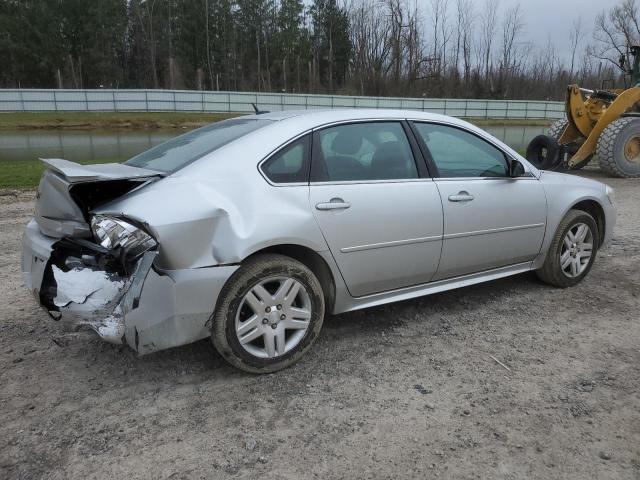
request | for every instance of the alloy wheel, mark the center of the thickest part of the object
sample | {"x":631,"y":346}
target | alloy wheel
{"x":273,"y":317}
{"x":577,"y":248}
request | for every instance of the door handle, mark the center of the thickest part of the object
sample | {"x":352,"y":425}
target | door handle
{"x":461,"y":197}
{"x":333,"y":204}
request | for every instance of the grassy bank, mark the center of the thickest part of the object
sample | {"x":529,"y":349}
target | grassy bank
{"x":107,"y":120}
{"x":26,"y":174}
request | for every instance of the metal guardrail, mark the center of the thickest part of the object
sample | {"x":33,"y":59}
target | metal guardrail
{"x":103,"y":100}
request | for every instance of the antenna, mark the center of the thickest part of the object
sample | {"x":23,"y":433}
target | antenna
{"x":258,"y":112}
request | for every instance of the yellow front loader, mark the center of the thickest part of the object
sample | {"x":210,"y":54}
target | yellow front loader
{"x":604,"y":123}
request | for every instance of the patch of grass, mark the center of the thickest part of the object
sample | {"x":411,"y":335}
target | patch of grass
{"x":25,"y":174}
{"x":108,"y":120}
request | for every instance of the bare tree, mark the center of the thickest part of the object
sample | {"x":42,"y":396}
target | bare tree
{"x":396,"y":20}
{"x":371,"y":45}
{"x":441,"y":36}
{"x":465,"y":26}
{"x":575,"y":38}
{"x":414,"y":46}
{"x":489,"y":21}
{"x":615,"y":31}
{"x":512,"y":27}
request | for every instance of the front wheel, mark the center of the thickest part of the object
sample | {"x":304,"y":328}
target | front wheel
{"x":268,"y":314}
{"x":572,"y":250}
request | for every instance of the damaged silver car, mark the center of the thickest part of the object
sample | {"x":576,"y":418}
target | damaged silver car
{"x":248,"y":230}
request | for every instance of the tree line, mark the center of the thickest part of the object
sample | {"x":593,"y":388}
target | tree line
{"x":432,"y":48}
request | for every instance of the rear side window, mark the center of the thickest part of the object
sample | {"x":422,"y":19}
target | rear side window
{"x":458,"y":153}
{"x":290,"y":164}
{"x":364,"y":152}
{"x":178,"y":152}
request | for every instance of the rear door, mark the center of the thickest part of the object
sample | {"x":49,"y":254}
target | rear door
{"x":490,"y":219}
{"x":379,"y":211}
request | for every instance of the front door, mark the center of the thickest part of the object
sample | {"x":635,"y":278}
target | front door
{"x":381,"y":220}
{"x":490,"y":219}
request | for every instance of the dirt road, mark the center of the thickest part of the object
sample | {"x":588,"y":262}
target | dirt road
{"x":408,"y":390}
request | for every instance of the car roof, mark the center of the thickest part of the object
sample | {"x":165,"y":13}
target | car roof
{"x":321,"y":116}
{"x":291,"y":121}
{"x":286,"y":125}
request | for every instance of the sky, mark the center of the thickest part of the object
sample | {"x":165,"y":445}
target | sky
{"x":553,"y":19}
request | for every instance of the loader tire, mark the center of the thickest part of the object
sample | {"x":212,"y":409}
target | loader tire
{"x":556,"y":128}
{"x":619,"y":148}
{"x":542,"y":152}
{"x":555,"y":131}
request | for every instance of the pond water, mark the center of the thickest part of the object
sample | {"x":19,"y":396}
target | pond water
{"x":85,"y":146}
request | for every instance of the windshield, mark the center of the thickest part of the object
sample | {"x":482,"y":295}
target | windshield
{"x":174,"y":154}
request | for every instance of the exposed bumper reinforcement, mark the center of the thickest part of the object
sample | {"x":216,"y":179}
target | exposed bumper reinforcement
{"x":147,"y":309}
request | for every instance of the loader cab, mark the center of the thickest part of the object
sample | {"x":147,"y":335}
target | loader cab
{"x":635,"y":68}
{"x":635,"y":71}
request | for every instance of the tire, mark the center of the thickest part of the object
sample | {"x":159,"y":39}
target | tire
{"x":556,"y":128}
{"x":237,"y":308}
{"x":613,"y":148}
{"x":542,"y":152}
{"x":555,"y":131}
{"x":552,"y":271}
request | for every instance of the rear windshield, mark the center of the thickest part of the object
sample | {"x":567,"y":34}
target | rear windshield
{"x":174,"y":154}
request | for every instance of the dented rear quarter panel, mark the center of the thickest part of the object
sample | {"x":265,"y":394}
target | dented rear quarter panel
{"x":220,"y":209}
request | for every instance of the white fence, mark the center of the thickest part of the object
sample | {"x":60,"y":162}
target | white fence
{"x":103,"y":100}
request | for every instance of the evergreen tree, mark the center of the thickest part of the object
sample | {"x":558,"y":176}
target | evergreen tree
{"x":331,"y":44}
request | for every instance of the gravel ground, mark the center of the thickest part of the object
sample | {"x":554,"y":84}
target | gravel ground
{"x":408,"y":390}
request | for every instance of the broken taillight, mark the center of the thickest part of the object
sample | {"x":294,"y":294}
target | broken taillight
{"x":114,"y":233}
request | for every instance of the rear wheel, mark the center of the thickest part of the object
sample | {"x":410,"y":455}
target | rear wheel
{"x":619,"y":148}
{"x":572,"y":250}
{"x":268,"y":315}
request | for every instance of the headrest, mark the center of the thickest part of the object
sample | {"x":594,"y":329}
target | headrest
{"x":388,"y":152}
{"x":346,"y":143}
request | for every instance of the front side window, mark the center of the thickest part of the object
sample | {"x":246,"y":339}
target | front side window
{"x":457,"y":153}
{"x":363,"y":151}
{"x":290,"y":164}
{"x":178,"y":152}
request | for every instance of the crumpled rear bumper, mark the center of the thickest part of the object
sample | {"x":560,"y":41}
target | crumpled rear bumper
{"x":147,"y":309}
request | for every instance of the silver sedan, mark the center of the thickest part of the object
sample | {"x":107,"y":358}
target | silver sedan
{"x":250,"y":230}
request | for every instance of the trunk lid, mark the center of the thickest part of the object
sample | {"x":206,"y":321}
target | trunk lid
{"x":68,"y":191}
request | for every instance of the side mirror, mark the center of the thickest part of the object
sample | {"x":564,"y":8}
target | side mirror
{"x":516,"y":169}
